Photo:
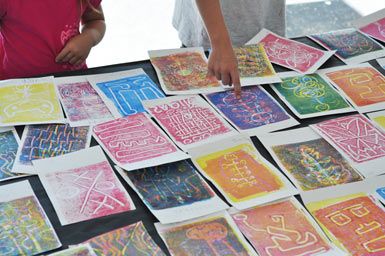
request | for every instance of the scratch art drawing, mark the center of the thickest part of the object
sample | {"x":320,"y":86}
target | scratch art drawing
{"x":355,"y":137}
{"x":123,"y":92}
{"x":87,"y":191}
{"x":363,"y":85}
{"x":282,"y":229}
{"x":174,"y":192}
{"x":355,"y":223}
{"x":183,"y":71}
{"x":9,"y":143}
{"x":351,"y":46}
{"x":189,"y":120}
{"x":372,"y":25}
{"x":291,"y":54}
{"x":240,"y":173}
{"x":79,"y":250}
{"x":310,"y":95}
{"x":130,"y":240}
{"x":254,"y":65}
{"x":29,"y":101}
{"x":135,"y":142}
{"x":82,"y":105}
{"x":25,"y":228}
{"x":378,"y":118}
{"x":49,"y":140}
{"x":213,"y":235}
{"x":254,"y":113}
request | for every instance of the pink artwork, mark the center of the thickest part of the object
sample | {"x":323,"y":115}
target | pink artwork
{"x":291,"y":54}
{"x":355,"y":136}
{"x":375,"y":29}
{"x":86,"y":193}
{"x":189,"y":119}
{"x":133,"y":138}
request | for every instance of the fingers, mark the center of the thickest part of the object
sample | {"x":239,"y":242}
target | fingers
{"x":237,"y":83}
{"x":64,"y":55}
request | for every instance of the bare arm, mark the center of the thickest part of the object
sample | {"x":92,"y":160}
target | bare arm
{"x":222,"y":61}
{"x":77,"y":49}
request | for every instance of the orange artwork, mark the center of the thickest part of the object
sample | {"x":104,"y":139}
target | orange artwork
{"x":358,"y":224}
{"x":239,"y":174}
{"x":364,"y":86}
{"x":280,"y":229}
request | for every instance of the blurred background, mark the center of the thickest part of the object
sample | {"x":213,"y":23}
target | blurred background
{"x":134,"y":27}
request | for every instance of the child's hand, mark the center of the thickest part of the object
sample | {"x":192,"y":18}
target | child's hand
{"x":223,"y":65}
{"x":76,"y":50}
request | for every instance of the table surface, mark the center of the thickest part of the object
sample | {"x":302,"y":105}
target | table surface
{"x":79,"y":232}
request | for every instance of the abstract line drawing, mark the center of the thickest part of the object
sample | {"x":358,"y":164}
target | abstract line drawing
{"x":8,"y":149}
{"x":348,"y":43}
{"x":375,"y":29}
{"x":28,"y":102}
{"x":281,"y":229}
{"x":211,"y":236}
{"x":128,"y":93}
{"x":25,"y":229}
{"x":309,"y":94}
{"x":188,"y":120}
{"x":130,"y":240}
{"x":81,"y":102}
{"x":79,"y":250}
{"x":255,"y":109}
{"x":356,"y":223}
{"x":355,"y":136}
{"x":86,"y":193}
{"x":182,"y":70}
{"x":135,"y":139}
{"x":363,"y":85}
{"x":315,"y":164}
{"x":170,"y":185}
{"x":291,"y":54}
{"x":49,"y":140}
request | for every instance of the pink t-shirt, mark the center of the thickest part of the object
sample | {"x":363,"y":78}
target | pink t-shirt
{"x":33,"y":32}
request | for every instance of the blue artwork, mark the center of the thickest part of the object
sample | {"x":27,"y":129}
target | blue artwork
{"x":43,"y":141}
{"x":128,"y":93}
{"x":381,"y":192}
{"x":170,"y":185}
{"x":8,"y":150}
{"x":254,"y":109}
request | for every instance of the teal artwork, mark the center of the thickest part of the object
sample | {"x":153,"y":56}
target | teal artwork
{"x":309,"y":94}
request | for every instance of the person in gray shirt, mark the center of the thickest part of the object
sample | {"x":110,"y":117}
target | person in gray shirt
{"x":204,"y":22}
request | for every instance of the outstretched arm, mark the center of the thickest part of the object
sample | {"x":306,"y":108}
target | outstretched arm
{"x":222,"y":61}
{"x":77,"y":49}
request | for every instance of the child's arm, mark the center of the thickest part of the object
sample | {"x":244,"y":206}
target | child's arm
{"x":222,"y":61}
{"x":77,"y":49}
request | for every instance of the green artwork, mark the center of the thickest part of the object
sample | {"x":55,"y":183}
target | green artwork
{"x":315,"y":164}
{"x":310,"y":94}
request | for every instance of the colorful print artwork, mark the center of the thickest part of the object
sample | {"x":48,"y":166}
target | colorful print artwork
{"x":315,"y":164}
{"x":49,"y":140}
{"x":256,"y":109}
{"x":211,"y":236}
{"x":355,"y":223}
{"x":375,"y":29}
{"x":183,"y":71}
{"x":130,"y":240}
{"x":310,"y":95}
{"x":189,"y":120}
{"x":82,"y":104}
{"x":25,"y":228}
{"x":363,"y":85}
{"x":29,"y":101}
{"x":79,"y":250}
{"x":8,"y":148}
{"x":135,"y":142}
{"x":281,"y":229}
{"x":378,"y":118}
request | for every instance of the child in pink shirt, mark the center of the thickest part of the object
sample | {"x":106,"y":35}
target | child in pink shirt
{"x":43,"y":36}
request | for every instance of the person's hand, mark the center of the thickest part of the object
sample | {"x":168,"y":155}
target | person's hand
{"x":224,"y":66}
{"x":76,"y":50}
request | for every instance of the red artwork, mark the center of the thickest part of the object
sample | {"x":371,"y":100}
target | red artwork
{"x":376,"y":29}
{"x":355,"y":136}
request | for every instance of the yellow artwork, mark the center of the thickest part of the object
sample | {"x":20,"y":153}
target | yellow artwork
{"x":29,"y":103}
{"x":239,"y":173}
{"x":380,"y":120}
